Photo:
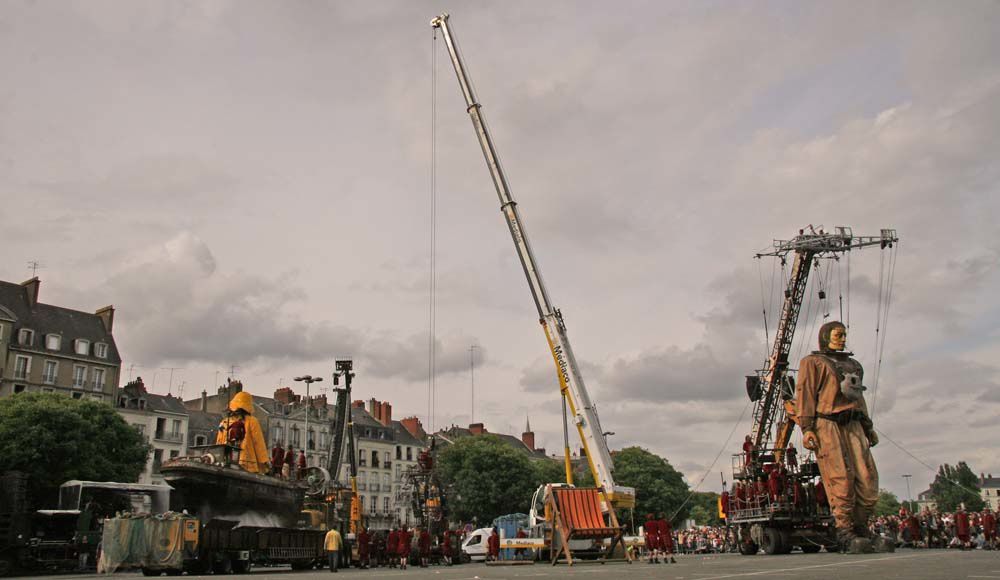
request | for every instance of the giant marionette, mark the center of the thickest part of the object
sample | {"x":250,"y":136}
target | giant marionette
{"x":836,"y":425}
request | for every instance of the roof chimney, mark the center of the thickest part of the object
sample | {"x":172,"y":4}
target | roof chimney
{"x":204,"y":401}
{"x":412,"y":424}
{"x":371,"y":407}
{"x":477,"y":428}
{"x":107,"y":315}
{"x":31,"y":290}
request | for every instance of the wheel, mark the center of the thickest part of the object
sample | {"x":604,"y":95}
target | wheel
{"x":6,"y":566}
{"x":772,"y":541}
{"x":223,"y":566}
{"x":746,"y":544}
{"x":242,"y":566}
{"x":786,"y":542}
{"x":810,"y":548}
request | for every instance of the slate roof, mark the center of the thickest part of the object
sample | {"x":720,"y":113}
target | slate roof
{"x":48,"y":319}
{"x":989,"y":483}
{"x":452,"y":434}
{"x":404,"y":437}
{"x":165,"y":404}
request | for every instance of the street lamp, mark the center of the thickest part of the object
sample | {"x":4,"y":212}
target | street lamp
{"x":308,"y":380}
{"x":909,"y":498}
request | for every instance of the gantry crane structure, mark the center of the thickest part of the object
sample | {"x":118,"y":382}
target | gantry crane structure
{"x":774,"y":524}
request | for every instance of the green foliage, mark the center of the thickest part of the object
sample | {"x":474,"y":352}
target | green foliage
{"x":705,"y":508}
{"x":659,"y":487}
{"x":488,"y":478}
{"x":948,"y":495}
{"x":54,"y":438}
{"x":888,"y":503}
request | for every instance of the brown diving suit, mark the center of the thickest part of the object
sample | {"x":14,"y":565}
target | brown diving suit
{"x":842,"y":426}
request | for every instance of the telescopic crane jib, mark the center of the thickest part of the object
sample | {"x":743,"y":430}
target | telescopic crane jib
{"x":570,"y":382}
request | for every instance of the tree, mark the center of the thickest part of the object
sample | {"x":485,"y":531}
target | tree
{"x":956,"y":485}
{"x":705,"y":508}
{"x":888,"y":503}
{"x":54,"y":439}
{"x":488,"y":478}
{"x":659,"y":487}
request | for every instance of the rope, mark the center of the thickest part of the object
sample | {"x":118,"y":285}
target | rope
{"x":922,"y":462}
{"x":432,"y":299}
{"x":893,"y":254}
{"x":763,"y":307}
{"x":710,"y":467}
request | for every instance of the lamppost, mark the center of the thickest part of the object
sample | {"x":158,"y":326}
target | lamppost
{"x":909,"y":498}
{"x":308,"y":380}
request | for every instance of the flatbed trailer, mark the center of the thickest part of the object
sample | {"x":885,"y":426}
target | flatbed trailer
{"x":174,"y":543}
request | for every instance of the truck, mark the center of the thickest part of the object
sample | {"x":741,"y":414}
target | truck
{"x":64,"y":538}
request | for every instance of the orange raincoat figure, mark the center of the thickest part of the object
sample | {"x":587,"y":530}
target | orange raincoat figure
{"x":253,"y":448}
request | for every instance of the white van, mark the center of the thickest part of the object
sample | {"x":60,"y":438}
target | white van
{"x":475,"y":545}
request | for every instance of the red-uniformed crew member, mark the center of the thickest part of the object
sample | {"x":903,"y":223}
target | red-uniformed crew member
{"x":391,"y":545}
{"x":962,"y":527}
{"x":666,"y":537}
{"x":403,"y":547}
{"x":989,"y":528}
{"x":520,"y":553}
{"x":446,"y":547}
{"x":289,"y":463}
{"x":493,"y":546}
{"x":424,"y":546}
{"x":748,"y":451}
{"x":773,"y":484}
{"x":277,"y":459}
{"x":364,"y":540}
{"x":234,"y":436}
{"x":821,"y":499}
{"x":792,"y":457}
{"x":650,"y":529}
{"x":301,"y":465}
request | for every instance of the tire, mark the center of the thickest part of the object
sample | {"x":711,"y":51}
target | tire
{"x":748,"y":548}
{"x":223,"y":566}
{"x":6,"y":566}
{"x":772,"y":541}
{"x":786,"y":542}
{"x":242,"y":566}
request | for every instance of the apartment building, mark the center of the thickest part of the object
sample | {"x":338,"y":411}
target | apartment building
{"x":161,"y":419}
{"x":52,"y":349}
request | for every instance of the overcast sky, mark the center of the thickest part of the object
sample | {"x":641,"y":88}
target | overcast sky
{"x":249,"y":184}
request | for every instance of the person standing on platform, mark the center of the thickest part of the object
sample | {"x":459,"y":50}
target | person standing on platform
{"x":289,"y":463}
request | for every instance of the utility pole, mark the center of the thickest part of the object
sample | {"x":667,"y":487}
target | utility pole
{"x":909,"y":498}
{"x":308,"y":380}
{"x":472,"y":380}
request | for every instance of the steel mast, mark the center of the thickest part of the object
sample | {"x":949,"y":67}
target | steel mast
{"x":570,"y":381}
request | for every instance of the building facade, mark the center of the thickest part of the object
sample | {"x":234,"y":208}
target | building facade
{"x":989,"y":490}
{"x":161,"y":419}
{"x":52,"y":349}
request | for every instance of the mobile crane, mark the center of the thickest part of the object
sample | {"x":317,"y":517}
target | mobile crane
{"x":570,"y":382}
{"x":793,"y":518}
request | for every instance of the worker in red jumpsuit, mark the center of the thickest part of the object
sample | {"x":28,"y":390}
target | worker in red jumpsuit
{"x":277,"y":458}
{"x":446,"y":548}
{"x":234,"y":437}
{"x":651,"y":531}
{"x":289,"y":464}
{"x":403,"y":547}
{"x":391,"y":544}
{"x":300,"y":472}
{"x":364,"y":539}
{"x":821,"y":499}
{"x":962,"y":527}
{"x":792,"y":457}
{"x":424,"y":545}
{"x":748,"y":451}
{"x":773,"y":485}
{"x":666,"y":538}
{"x":989,"y":523}
{"x":493,"y":546}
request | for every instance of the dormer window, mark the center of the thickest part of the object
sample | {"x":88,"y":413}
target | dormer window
{"x":101,"y":350}
{"x":82,"y":347}
{"x":26,"y":337}
{"x":53,"y":341}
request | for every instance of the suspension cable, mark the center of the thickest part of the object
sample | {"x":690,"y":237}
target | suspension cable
{"x":432,"y":299}
{"x":763,"y":308}
{"x":893,"y":255}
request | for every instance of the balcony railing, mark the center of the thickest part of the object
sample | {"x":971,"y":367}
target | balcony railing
{"x":387,"y":465}
{"x":170,"y":436}
{"x":373,"y":487}
{"x":79,"y":383}
{"x":97,"y":386}
{"x":49,"y":379}
{"x":361,"y":487}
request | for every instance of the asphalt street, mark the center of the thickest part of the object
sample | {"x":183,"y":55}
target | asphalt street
{"x":904,"y":564}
